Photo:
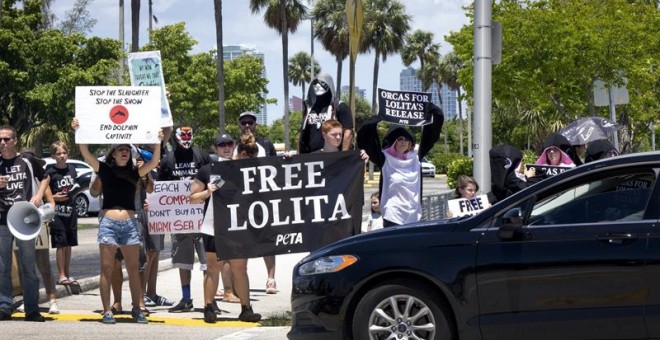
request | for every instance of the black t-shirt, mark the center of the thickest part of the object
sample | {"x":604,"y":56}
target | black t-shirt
{"x":182,"y":164}
{"x":311,"y":137}
{"x":21,"y":183}
{"x":62,"y":180}
{"x":119,"y":185}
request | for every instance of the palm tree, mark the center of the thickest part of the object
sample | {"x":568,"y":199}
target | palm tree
{"x":220,"y":65}
{"x":284,"y":16}
{"x":449,"y":67}
{"x":385,"y":26}
{"x":331,"y":29}
{"x":135,"y":25}
{"x":300,"y":70}
{"x":419,"y":46}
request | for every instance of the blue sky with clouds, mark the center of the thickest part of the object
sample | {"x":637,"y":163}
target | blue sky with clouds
{"x":242,"y":27}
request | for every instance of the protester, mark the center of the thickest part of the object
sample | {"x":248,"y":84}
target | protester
{"x":600,"y":149}
{"x":247,"y":148}
{"x":375,"y":219}
{"x":118,"y":227}
{"x":505,"y":172}
{"x":247,"y":121}
{"x":320,"y":105}
{"x":466,"y":187}
{"x":332,"y":133}
{"x":20,"y":178}
{"x":64,"y":227}
{"x":182,"y":164}
{"x":201,"y":191}
{"x":400,"y":181}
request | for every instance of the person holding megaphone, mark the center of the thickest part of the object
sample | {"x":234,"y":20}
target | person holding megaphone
{"x":20,"y":177}
{"x":118,"y":227}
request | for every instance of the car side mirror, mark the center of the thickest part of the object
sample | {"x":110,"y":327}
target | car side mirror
{"x":512,"y":225}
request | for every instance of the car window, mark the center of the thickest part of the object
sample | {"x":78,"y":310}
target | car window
{"x":620,"y":197}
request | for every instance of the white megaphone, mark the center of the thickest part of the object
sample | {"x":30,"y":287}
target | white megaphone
{"x":24,"y":219}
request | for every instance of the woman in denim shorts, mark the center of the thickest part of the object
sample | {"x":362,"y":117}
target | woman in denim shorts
{"x":118,"y":227}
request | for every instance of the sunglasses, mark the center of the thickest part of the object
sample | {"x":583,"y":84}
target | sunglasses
{"x":225,"y":145}
{"x":5,"y":139}
{"x":247,"y":122}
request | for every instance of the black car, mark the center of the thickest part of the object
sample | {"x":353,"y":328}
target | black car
{"x":576,"y":256}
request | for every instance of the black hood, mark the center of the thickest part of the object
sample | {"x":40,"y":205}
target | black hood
{"x":326,"y":99}
{"x":558,"y":140}
{"x":395,"y":132}
{"x":599,"y":149}
{"x":504,"y":159}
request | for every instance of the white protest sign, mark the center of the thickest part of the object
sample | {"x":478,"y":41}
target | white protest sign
{"x":146,"y":69}
{"x":463,"y":206}
{"x":170,"y":210}
{"x":117,"y":114}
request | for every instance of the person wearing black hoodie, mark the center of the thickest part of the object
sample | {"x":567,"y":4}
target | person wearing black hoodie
{"x":600,"y":149}
{"x":505,"y":176}
{"x":320,"y":105}
{"x":400,"y":183}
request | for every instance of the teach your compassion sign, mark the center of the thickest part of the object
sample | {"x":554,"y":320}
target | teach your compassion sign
{"x":280,"y":205}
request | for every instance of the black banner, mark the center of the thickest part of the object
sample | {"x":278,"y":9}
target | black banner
{"x":404,"y":108}
{"x":278,"y":205}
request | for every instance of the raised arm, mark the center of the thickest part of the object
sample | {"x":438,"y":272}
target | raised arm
{"x":84,"y":150}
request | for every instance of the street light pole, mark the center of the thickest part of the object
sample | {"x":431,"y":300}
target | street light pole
{"x":483,"y":127}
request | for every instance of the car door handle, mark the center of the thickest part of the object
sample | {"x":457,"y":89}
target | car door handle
{"x":617,"y":238}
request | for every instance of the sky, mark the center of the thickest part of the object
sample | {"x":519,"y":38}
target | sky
{"x":242,"y":27}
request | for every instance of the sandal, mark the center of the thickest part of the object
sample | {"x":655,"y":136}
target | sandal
{"x":73,"y":281}
{"x":230,"y":298}
{"x":144,"y":311}
{"x":115,"y":310}
{"x":64,"y":281}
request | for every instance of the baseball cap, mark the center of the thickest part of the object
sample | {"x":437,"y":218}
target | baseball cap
{"x":223,"y":138}
{"x":247,"y":114}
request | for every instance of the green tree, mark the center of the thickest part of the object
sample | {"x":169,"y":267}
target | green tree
{"x":39,"y":71}
{"x":300,"y":70}
{"x":420,"y":47}
{"x":449,"y":67}
{"x":331,"y":29}
{"x":385,"y":26}
{"x":284,"y":16}
{"x":554,"y":52}
{"x":77,"y":19}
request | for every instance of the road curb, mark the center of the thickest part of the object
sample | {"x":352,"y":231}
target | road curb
{"x":91,"y":283}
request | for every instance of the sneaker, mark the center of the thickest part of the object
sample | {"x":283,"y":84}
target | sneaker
{"x":35,"y":317}
{"x":137,"y":315}
{"x":271,"y":286}
{"x":21,"y":308}
{"x":53,"y":308}
{"x":148,"y":302}
{"x":209,"y":314}
{"x":162,"y":301}
{"x":109,"y":319}
{"x":247,"y":315}
{"x":182,"y":306}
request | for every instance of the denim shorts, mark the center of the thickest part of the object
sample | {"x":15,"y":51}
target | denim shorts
{"x":118,"y":232}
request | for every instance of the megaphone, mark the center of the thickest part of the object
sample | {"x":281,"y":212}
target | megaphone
{"x":24,"y":219}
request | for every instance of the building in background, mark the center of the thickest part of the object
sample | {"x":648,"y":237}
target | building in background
{"x":408,"y":81}
{"x":295,"y":104}
{"x":233,"y":51}
{"x":358,"y":91}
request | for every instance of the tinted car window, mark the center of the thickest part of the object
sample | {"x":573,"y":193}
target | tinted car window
{"x":621,"y":197}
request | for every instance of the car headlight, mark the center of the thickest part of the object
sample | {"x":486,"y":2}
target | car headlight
{"x":327,"y":264}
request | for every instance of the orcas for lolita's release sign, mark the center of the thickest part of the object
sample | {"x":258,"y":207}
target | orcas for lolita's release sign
{"x":117,"y":114}
{"x":404,"y":107}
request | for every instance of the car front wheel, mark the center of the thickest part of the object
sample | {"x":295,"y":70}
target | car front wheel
{"x":81,"y":205}
{"x":401,"y":310}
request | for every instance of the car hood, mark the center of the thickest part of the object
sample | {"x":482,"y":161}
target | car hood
{"x":416,"y":235}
